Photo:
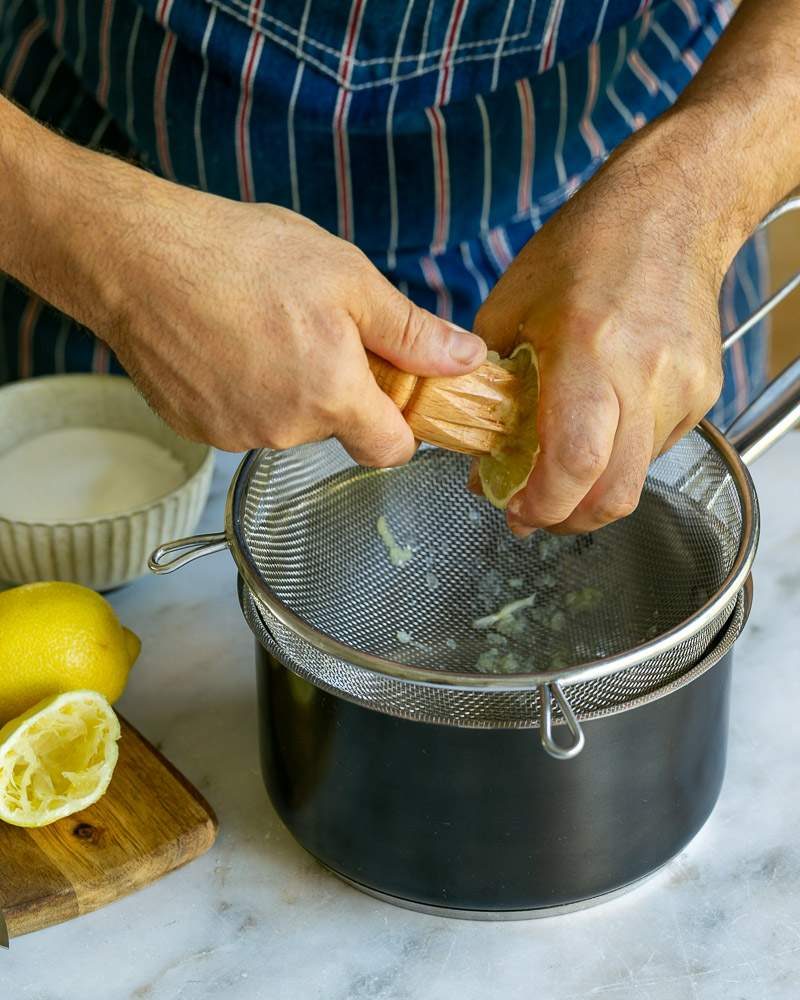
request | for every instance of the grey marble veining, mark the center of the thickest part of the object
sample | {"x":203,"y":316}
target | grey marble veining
{"x":257,"y":918}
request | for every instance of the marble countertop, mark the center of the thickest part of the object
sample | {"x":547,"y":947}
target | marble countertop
{"x":257,"y":918}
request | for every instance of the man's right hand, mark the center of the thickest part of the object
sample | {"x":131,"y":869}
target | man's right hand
{"x":243,"y":325}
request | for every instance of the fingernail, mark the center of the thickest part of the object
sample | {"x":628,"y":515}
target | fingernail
{"x":514,"y":508}
{"x":466,"y":348}
{"x":520,"y":530}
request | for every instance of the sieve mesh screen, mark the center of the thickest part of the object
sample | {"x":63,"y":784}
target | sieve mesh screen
{"x":306,"y":521}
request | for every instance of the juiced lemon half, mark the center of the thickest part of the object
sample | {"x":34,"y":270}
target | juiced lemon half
{"x":507,"y":470}
{"x":57,"y":758}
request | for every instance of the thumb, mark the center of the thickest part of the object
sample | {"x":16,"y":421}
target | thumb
{"x":417,"y":341}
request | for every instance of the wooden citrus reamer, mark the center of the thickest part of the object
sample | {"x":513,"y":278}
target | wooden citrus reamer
{"x":467,"y":413}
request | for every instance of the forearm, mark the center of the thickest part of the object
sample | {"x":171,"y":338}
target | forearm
{"x":62,"y":211}
{"x":734,"y":130}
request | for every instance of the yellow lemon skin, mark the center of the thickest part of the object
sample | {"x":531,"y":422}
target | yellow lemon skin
{"x":57,"y":637}
{"x":507,"y":470}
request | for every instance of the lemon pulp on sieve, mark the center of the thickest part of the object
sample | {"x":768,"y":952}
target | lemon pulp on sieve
{"x":57,"y":758}
{"x":507,"y":470}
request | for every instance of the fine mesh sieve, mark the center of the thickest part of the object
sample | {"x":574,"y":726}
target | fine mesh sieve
{"x":404,"y":639}
{"x":611,"y":619}
{"x":615,"y":617}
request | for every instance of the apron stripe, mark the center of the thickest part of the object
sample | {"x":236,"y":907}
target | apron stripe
{"x":104,"y":52}
{"x":298,"y":79}
{"x":441,"y":179}
{"x":499,"y":250}
{"x":129,"y":62}
{"x":293,"y":178}
{"x":563,"y":109}
{"x":341,"y":146}
{"x":47,"y":81}
{"x":611,"y":89}
{"x":507,"y":253}
{"x":445,"y":83}
{"x":526,"y":113}
{"x":666,"y":41}
{"x":391,"y":167}
{"x":160,"y":105}
{"x":34,"y":30}
{"x":644,"y":73}
{"x":163,"y":11}
{"x":82,"y":36}
{"x":724,"y":12}
{"x":690,"y":12}
{"x":688,"y":58}
{"x":60,"y":346}
{"x":95,"y":140}
{"x":486,"y":202}
{"x":101,"y":358}
{"x":198,"y":107}
{"x":249,"y":69}
{"x":441,"y":162}
{"x":548,"y":55}
{"x":691,"y":61}
{"x":598,"y":31}
{"x":425,"y":32}
{"x":501,"y":42}
{"x":435,"y":281}
{"x":9,"y":38}
{"x":588,"y":131}
{"x":342,"y":166}
{"x":472,"y":270}
{"x":27,"y":330}
{"x":58,"y":24}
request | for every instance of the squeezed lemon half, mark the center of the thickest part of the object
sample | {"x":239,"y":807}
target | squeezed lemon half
{"x":57,"y":758}
{"x":507,"y":470}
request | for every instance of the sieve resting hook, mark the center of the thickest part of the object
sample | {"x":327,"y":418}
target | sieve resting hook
{"x":192,"y":548}
{"x":556,"y":692}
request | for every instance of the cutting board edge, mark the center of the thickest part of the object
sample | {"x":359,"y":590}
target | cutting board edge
{"x":182,"y":779}
{"x":27,"y":917}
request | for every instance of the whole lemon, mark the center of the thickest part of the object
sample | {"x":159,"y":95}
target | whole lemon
{"x":57,"y":637}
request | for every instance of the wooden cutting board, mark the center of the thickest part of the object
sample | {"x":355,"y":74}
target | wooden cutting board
{"x":150,"y":821}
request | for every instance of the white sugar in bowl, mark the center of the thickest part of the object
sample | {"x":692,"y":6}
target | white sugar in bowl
{"x":91,"y":480}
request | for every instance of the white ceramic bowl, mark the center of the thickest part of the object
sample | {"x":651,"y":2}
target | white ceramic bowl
{"x":100,"y":552}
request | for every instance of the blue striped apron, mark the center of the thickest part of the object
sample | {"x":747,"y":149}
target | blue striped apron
{"x":438,"y":135}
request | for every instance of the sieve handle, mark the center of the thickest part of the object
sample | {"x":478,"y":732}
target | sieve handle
{"x":789,"y":205}
{"x":192,"y":548}
{"x":556,"y":692}
{"x":771,"y":414}
{"x":777,"y":408}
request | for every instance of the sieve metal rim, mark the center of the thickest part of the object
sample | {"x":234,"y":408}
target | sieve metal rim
{"x":589,"y":670}
{"x":722,"y":644}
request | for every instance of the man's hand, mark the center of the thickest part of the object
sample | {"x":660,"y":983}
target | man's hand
{"x":246,"y":325}
{"x":243,"y":325}
{"x":618,"y":292}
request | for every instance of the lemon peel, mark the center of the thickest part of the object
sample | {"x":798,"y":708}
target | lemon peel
{"x":507,"y":470}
